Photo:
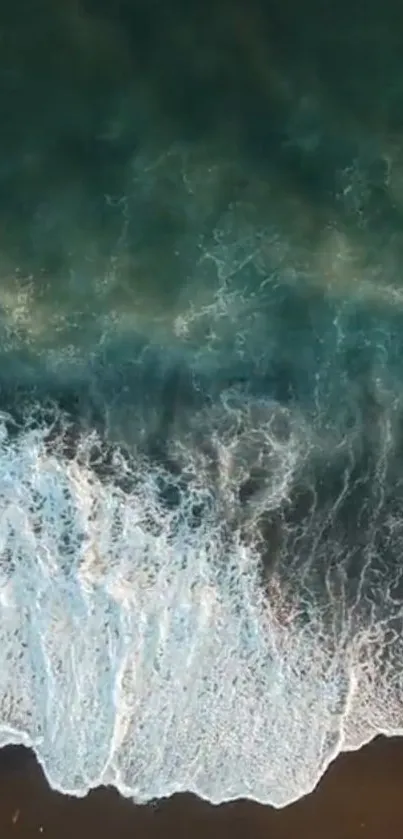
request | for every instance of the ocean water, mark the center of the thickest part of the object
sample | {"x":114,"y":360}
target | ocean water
{"x":201,"y":401}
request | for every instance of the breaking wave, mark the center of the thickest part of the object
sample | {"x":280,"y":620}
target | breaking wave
{"x":216,"y":605}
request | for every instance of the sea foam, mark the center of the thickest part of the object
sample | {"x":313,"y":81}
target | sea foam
{"x":140,"y":645}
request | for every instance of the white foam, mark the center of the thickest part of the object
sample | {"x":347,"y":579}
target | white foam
{"x":139,"y":650}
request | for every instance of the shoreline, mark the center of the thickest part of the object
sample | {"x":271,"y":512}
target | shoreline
{"x":360,"y":795}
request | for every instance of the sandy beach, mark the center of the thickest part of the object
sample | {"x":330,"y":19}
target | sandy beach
{"x":360,"y":797}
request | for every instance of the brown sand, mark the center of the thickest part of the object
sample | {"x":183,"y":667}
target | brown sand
{"x":360,"y":796}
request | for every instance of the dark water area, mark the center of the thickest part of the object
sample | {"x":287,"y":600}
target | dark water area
{"x":201,"y":239}
{"x":295,"y":92}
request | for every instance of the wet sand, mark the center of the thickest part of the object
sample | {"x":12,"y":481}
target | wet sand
{"x":361,"y":796}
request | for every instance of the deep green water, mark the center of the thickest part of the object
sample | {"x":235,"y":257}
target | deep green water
{"x":201,"y":194}
{"x":197,"y":198}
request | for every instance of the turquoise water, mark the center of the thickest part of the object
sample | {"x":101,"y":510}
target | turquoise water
{"x":201,"y":338}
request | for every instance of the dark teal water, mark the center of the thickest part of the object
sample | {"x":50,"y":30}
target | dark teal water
{"x":196,"y":198}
